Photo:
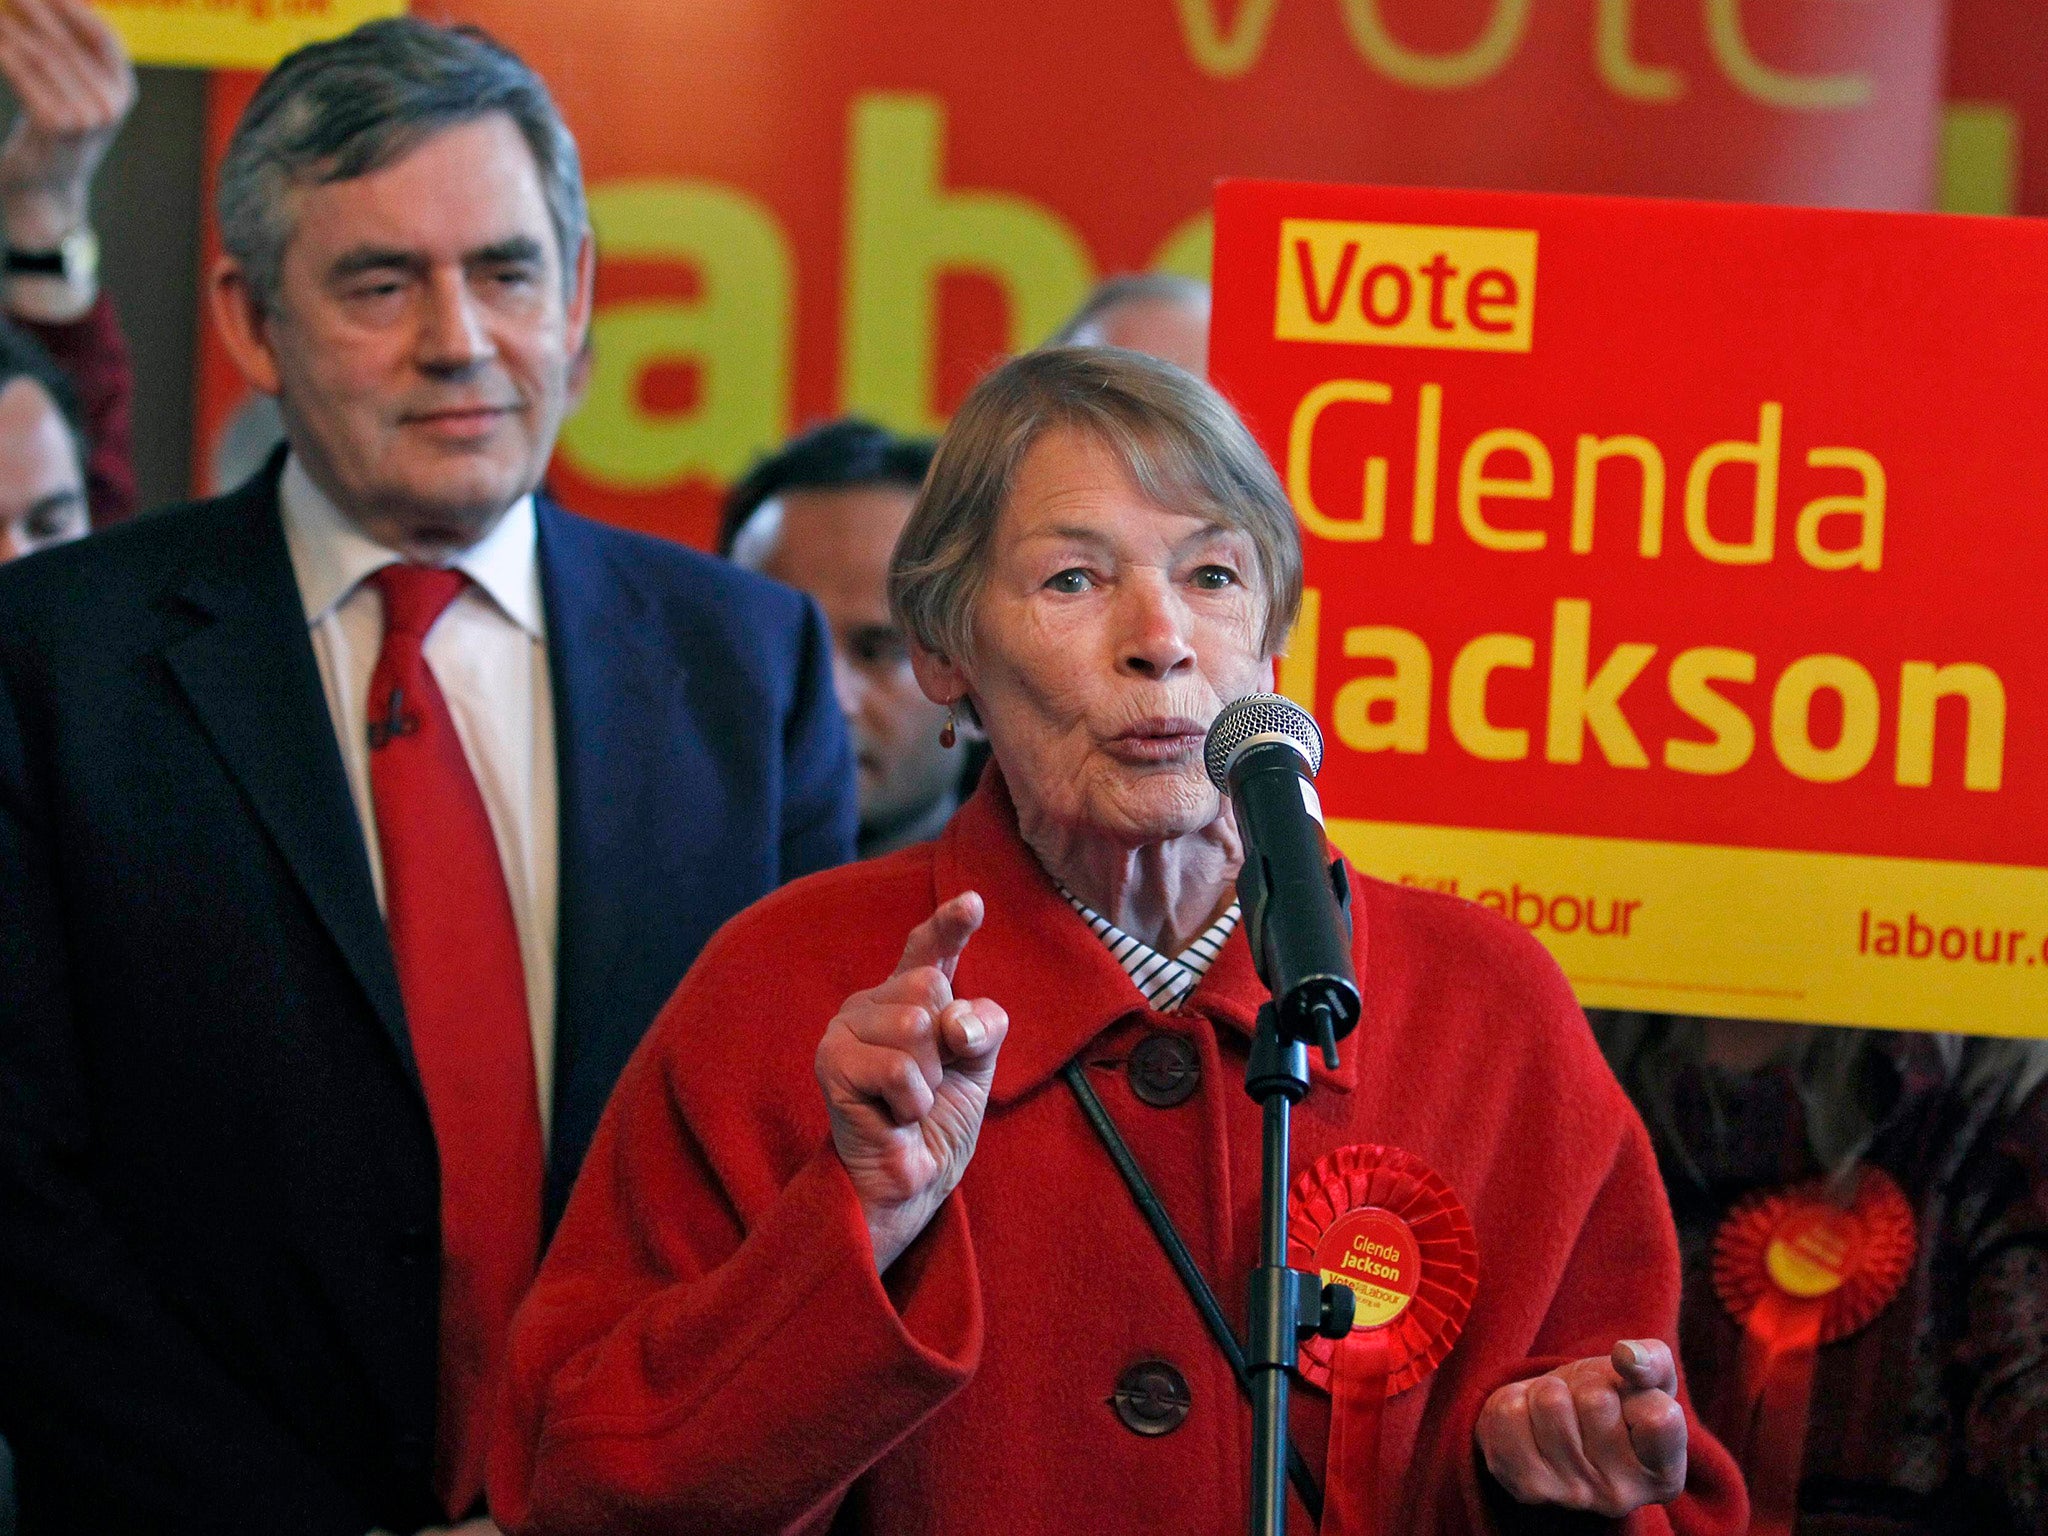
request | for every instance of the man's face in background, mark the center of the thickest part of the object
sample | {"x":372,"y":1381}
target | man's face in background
{"x":424,"y":336}
{"x":835,"y":544}
{"x":42,"y":486}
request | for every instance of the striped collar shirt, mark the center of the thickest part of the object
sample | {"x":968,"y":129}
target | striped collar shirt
{"x":1165,"y":980}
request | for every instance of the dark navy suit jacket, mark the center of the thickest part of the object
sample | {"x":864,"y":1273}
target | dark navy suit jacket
{"x":219,"y":1209}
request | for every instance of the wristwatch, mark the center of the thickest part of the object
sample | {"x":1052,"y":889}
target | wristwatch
{"x":76,"y":259}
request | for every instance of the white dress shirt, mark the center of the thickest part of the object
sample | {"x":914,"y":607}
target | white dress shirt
{"x":488,"y":654}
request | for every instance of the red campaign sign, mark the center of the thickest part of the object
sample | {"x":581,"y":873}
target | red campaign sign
{"x":1671,"y":572}
{"x":815,"y":206}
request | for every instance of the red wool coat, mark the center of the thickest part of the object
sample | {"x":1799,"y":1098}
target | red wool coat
{"x":709,"y":1348}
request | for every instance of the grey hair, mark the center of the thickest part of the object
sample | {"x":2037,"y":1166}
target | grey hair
{"x":336,"y":110}
{"x":1084,"y":326}
{"x":1178,"y":439}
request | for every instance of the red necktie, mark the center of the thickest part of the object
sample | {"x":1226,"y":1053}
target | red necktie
{"x":459,"y":970}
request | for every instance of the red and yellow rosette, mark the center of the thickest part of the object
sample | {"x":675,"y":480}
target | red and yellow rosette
{"x":1797,"y":1270}
{"x":1381,"y":1221}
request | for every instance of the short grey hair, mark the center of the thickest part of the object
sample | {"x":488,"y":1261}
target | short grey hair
{"x":336,"y":110}
{"x":1084,"y":326}
{"x":1178,"y":439}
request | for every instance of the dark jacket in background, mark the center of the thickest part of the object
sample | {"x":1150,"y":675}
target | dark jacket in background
{"x":219,"y":1205}
{"x":1933,"y":1420}
{"x":94,"y":356}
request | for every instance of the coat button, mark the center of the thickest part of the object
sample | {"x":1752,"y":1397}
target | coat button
{"x":1151,"y":1398}
{"x":1164,"y":1070}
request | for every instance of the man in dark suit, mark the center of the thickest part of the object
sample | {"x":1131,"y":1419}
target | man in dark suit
{"x":353,"y":826}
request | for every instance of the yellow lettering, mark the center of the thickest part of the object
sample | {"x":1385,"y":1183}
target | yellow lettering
{"x":1776,"y":87}
{"x":1763,"y":453}
{"x":1190,"y":249}
{"x":1980,"y":157}
{"x":1406,"y":285}
{"x":1867,"y":507}
{"x":1693,"y":674}
{"x":1922,"y":685}
{"x":1225,"y":54}
{"x":1474,"y":485}
{"x":1429,"y":439}
{"x":737,"y":334}
{"x":1301,"y":439}
{"x":1404,"y":690}
{"x":1471,"y":671}
{"x":1595,"y":451}
{"x":1437,"y":71}
{"x":1618,"y":66}
{"x":1297,"y":679}
{"x":1792,"y":718}
{"x":1577,"y":704}
{"x":905,"y":229}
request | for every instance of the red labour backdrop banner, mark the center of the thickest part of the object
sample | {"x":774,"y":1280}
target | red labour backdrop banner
{"x":1998,"y":65}
{"x":811,"y":206}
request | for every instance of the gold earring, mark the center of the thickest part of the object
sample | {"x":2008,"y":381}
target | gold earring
{"x":949,"y":733}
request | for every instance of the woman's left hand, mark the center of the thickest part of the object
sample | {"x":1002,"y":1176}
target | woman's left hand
{"x":1604,"y":1434}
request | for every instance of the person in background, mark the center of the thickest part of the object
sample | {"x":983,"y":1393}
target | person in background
{"x":353,"y":827}
{"x":1161,"y":314}
{"x":1930,"y":1418}
{"x":60,"y":475}
{"x":73,"y":86}
{"x":823,"y":514}
{"x":42,"y":451}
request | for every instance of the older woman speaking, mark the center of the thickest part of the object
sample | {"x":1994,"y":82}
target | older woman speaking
{"x":854,"y":1249}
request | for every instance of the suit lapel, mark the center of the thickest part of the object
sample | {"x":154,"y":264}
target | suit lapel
{"x":246,"y":666}
{"x":614,"y":690}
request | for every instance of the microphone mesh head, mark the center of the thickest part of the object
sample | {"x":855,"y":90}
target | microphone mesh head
{"x":1259,"y":716}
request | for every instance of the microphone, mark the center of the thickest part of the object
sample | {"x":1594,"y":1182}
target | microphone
{"x":1264,"y":751}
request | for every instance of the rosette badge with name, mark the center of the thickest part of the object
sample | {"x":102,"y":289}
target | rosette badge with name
{"x":1381,"y":1221}
{"x":1798,"y":1270}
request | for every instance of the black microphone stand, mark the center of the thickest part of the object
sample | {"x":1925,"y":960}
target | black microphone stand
{"x":1287,"y":1305}
{"x":1264,"y":751}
